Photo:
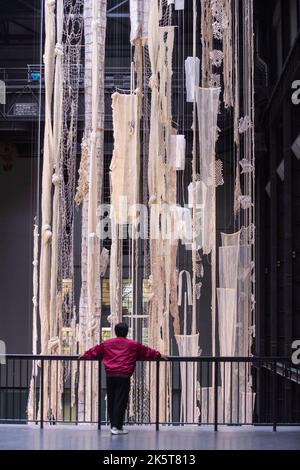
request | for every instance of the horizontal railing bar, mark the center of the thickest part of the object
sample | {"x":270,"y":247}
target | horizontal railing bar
{"x":151,"y":423}
{"x":211,"y":417}
{"x":229,"y":359}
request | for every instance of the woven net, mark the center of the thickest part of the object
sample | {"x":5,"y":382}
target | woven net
{"x":72,"y":37}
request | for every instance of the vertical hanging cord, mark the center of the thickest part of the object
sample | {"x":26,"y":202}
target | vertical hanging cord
{"x":39,"y":121}
{"x":237,"y":225}
{"x":38,"y":173}
{"x":213,"y":258}
{"x":132,"y":77}
{"x":130,"y":226}
{"x":253,"y":313}
{"x":131,"y":279}
{"x":182,"y":173}
{"x":132,"y":246}
{"x":194,"y":308}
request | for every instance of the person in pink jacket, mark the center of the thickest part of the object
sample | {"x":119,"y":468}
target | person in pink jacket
{"x":119,"y":356}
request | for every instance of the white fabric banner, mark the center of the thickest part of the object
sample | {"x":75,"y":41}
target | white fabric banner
{"x":188,"y":345}
{"x":139,"y":14}
{"x":184,"y":225}
{"x":192,"y":74}
{"x":179,"y":4}
{"x":176,"y":151}
{"x":207,"y":108}
{"x":125,"y":164}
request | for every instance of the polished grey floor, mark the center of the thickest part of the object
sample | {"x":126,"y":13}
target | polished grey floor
{"x":87,"y":437}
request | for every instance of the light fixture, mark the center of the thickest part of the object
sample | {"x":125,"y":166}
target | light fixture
{"x":296,"y":147}
{"x":280,"y":170}
{"x":268,"y":188}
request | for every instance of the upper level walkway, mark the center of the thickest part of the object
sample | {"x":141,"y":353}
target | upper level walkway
{"x":87,"y":437}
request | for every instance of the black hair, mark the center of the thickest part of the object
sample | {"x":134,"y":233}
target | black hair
{"x":121,"y":329}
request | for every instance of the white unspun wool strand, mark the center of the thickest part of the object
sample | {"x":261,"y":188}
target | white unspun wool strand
{"x":45,"y":256}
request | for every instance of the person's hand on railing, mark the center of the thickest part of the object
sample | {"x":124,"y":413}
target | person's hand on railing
{"x":164,"y":358}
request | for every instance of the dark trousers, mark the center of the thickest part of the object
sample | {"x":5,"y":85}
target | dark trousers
{"x":117,"y":399}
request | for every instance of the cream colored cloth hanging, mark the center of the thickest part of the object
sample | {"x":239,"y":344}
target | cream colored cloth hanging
{"x":231,"y":239}
{"x":155,"y":160}
{"x":139,"y":14}
{"x":34,"y":372}
{"x":46,"y":231}
{"x":162,"y":252}
{"x":207,"y":106}
{"x":104,"y":261}
{"x":227,"y":320}
{"x":160,"y":45}
{"x":35,"y":264}
{"x":171,"y":193}
{"x":235,"y":271}
{"x":227,"y":315}
{"x":244,"y":299}
{"x":206,"y":41}
{"x":93,"y":242}
{"x":189,"y":287}
{"x":176,"y":151}
{"x":188,"y":345}
{"x":184,"y":224}
{"x":228,"y":52}
{"x":56,"y":177}
{"x":55,"y":340}
{"x":228,"y":266}
{"x":192,"y":77}
{"x":166,"y":44}
{"x":125,"y":164}
{"x":200,"y":191}
{"x":207,"y":401}
{"x":114,"y":276}
{"x":179,"y":4}
{"x":89,"y":325}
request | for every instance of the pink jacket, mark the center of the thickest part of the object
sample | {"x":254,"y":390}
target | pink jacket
{"x":119,"y":355}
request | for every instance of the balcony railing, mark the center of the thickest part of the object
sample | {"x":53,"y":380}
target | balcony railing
{"x":182,"y":390}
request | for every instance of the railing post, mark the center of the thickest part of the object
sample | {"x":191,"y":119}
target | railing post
{"x":42,"y":395}
{"x":216,"y":396}
{"x":274,"y":397}
{"x":99,"y":394}
{"x":157,"y":395}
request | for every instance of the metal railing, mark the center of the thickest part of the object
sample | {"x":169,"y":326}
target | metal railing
{"x":181,"y":390}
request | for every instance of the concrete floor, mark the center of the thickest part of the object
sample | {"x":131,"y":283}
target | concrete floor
{"x":86,"y":437}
